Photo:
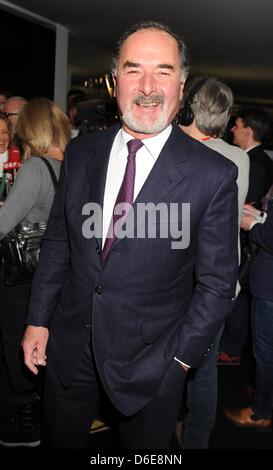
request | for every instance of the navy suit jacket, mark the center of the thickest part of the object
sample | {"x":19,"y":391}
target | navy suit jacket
{"x":261,"y":269}
{"x":260,"y":175}
{"x":153,"y":302}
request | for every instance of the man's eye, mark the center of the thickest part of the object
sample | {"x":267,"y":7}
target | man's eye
{"x":164,"y":73}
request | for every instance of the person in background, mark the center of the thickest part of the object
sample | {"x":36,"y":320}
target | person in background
{"x":207,"y":106}
{"x":44,"y":131}
{"x":259,"y":414}
{"x":119,"y":316}
{"x":4,"y":95}
{"x":4,"y":142}
{"x":72,"y":94}
{"x":250,"y":131}
{"x":12,"y":108}
{"x":74,"y":97}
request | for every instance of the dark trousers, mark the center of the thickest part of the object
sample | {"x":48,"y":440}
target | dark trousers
{"x":14,"y":304}
{"x":262,"y":326}
{"x":70,"y":411}
{"x":202,"y":395}
{"x":236,"y":326}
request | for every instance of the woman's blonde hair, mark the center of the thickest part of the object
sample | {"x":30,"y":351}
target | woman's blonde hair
{"x":42,"y":124}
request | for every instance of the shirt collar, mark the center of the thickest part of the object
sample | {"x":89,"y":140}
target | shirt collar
{"x":153,"y":144}
{"x":253,"y":147}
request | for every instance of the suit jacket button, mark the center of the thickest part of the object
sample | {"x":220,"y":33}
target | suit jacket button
{"x":98,"y":250}
{"x":99,"y":290}
{"x":88,"y":325}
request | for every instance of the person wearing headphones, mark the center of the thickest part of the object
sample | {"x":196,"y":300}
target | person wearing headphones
{"x":204,"y":116}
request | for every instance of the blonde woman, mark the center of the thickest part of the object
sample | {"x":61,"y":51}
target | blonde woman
{"x":44,"y":131}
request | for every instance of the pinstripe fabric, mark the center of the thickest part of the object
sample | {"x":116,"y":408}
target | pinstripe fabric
{"x":126,"y":192}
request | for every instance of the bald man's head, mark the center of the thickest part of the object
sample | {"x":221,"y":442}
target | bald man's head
{"x":12,"y":109}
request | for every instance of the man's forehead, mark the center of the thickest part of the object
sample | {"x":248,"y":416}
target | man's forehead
{"x":13,"y":104}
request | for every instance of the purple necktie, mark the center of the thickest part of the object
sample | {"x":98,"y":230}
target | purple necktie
{"x":126,"y":193}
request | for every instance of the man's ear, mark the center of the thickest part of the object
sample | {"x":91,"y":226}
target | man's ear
{"x":114,"y":78}
{"x":250,"y":132}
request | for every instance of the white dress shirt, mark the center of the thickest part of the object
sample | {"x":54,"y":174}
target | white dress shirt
{"x":252,"y":147}
{"x":145,"y":159}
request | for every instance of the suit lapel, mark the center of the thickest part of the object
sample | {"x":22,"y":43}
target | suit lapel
{"x":167,"y":172}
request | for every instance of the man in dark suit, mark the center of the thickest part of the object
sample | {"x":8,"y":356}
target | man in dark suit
{"x":128,"y":316}
{"x":250,"y":131}
{"x":259,"y":414}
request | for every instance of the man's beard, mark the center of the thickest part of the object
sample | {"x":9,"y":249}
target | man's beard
{"x":141,"y":127}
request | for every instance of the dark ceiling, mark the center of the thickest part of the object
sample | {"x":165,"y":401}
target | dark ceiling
{"x":230,"y":39}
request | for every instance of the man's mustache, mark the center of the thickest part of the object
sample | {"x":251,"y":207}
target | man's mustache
{"x":144,"y":100}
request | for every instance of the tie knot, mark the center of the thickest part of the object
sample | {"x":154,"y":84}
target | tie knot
{"x":133,"y":146}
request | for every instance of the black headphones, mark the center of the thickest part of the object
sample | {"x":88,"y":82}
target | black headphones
{"x":186,"y":114}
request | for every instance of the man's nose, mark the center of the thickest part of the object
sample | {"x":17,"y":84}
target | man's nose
{"x":147,"y":84}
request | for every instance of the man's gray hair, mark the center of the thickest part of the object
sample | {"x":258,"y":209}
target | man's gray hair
{"x":182,"y":49}
{"x":16,"y":98}
{"x":212,"y":106}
